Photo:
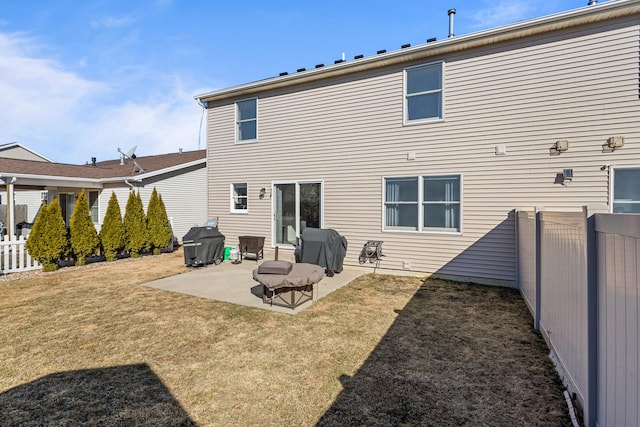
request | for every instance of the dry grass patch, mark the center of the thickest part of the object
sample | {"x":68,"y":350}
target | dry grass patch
{"x":93,"y":345}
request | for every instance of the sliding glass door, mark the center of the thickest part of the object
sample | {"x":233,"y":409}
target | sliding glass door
{"x":296,"y":205}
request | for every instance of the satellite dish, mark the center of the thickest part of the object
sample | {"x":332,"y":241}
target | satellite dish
{"x":131,"y":155}
{"x":132,"y":152}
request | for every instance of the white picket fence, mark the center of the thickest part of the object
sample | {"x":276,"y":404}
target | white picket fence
{"x":14,"y":257}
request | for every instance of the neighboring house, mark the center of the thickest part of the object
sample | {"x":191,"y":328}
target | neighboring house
{"x":180,"y":178}
{"x":15,"y":150}
{"x":431,"y":148}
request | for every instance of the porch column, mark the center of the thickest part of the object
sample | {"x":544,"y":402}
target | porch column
{"x":11,"y":215}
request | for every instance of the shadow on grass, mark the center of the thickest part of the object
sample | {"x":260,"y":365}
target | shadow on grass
{"x":119,"y":395}
{"x":457,"y":354}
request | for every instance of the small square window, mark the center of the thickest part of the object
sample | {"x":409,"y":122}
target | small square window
{"x":239,"y":197}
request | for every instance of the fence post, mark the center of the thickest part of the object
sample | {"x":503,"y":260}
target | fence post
{"x":536,"y":319}
{"x":591,"y":405}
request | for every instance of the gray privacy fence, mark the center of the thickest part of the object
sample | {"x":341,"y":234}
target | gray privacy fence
{"x":580,"y":278}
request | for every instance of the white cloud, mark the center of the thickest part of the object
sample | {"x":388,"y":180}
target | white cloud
{"x":70,"y":118}
{"x":502,"y":12}
{"x":113,"y":22}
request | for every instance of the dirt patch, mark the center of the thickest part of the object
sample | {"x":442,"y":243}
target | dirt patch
{"x":457,"y":354}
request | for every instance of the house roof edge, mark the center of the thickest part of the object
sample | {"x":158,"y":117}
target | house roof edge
{"x":563,"y":20}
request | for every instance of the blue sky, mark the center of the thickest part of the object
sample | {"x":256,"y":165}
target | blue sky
{"x":78,"y":79}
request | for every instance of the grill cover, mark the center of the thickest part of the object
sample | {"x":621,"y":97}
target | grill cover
{"x":323,"y":247}
{"x":203,"y":245}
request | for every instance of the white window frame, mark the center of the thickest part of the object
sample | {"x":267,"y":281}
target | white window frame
{"x":406,"y":96}
{"x":238,"y":122}
{"x":421,"y":202}
{"x":612,"y":187}
{"x":97,"y":205}
{"x":233,"y":198}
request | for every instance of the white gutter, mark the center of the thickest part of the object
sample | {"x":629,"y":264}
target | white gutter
{"x":581,"y":16}
{"x":73,"y":181}
{"x":156,"y":172}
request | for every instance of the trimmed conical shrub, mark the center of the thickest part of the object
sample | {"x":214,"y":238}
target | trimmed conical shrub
{"x":135,"y":226}
{"x":48,"y":241}
{"x":112,"y":234}
{"x":83,"y":236}
{"x":158,"y":224}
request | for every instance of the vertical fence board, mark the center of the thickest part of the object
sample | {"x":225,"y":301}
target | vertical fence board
{"x":618,"y":316}
{"x":563,"y":295}
{"x":526,"y":223}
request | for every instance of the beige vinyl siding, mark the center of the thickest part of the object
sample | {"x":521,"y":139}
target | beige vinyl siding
{"x":183,"y":193}
{"x":21,"y":153}
{"x":31,"y":198}
{"x":349,"y":133}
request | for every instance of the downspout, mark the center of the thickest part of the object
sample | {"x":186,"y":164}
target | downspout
{"x":126,"y":181}
{"x":204,"y":106}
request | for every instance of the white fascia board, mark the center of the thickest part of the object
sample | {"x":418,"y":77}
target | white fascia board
{"x":558,"y":21}
{"x":146,"y":175}
{"x":47,"y":180}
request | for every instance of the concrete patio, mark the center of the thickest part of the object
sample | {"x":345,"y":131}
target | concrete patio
{"x":233,"y":283}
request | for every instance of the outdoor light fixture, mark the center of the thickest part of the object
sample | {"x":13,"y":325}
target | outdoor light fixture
{"x":262,"y":192}
{"x":615,"y":142}
{"x":561,"y":145}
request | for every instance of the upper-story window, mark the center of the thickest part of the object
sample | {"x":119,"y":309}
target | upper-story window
{"x":626,"y":190}
{"x":247,"y":120}
{"x":423,"y":93}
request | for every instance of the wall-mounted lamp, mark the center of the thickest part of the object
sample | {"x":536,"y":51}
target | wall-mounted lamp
{"x":562,"y":145}
{"x":615,"y":142}
{"x":262,"y":192}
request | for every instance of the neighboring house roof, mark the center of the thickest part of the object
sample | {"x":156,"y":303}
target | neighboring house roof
{"x":107,"y":171}
{"x":15,"y":150}
{"x":584,"y":15}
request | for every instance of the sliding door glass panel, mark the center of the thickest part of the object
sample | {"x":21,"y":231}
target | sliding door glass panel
{"x":285,"y":213}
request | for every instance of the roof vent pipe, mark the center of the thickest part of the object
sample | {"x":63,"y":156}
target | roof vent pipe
{"x":121,"y":159}
{"x":93,"y":161}
{"x":451,"y":14}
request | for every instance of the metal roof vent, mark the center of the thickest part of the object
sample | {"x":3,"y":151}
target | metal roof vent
{"x":592,"y":2}
{"x":451,"y":14}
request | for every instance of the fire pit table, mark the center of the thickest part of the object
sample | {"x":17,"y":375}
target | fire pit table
{"x":287,"y":285}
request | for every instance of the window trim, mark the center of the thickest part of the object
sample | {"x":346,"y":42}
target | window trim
{"x":612,"y":174}
{"x":232,"y":205}
{"x":237,"y":122}
{"x":421,"y":229}
{"x":405,"y":96}
{"x":97,"y":205}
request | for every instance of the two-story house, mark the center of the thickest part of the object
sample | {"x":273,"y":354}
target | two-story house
{"x":431,"y":148}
